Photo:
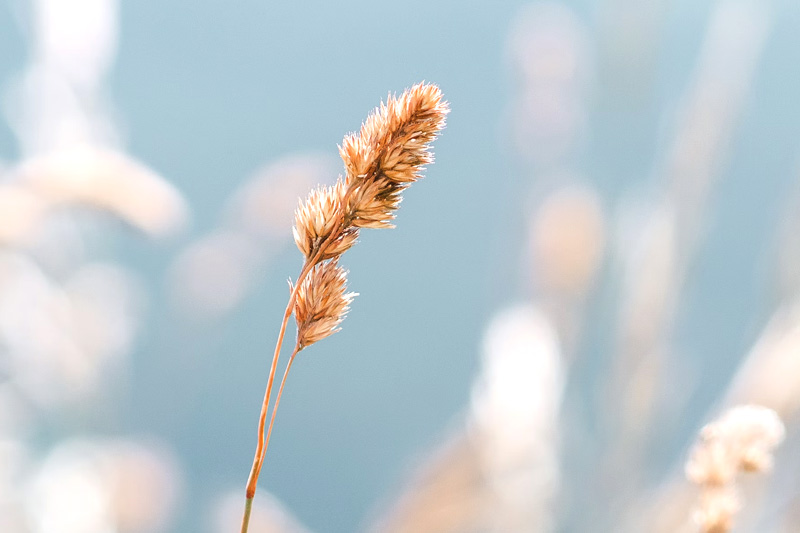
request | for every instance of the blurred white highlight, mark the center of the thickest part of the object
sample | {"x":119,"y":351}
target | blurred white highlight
{"x":60,"y":341}
{"x":90,"y":486}
{"x":515,"y":410}
{"x":549,"y":49}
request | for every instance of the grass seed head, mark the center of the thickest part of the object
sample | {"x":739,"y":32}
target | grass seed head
{"x":322,"y":303}
{"x":318,"y":220}
{"x":389,"y":153}
{"x":391,"y":150}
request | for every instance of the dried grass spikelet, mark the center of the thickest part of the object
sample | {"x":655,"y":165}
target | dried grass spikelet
{"x":742,"y":440}
{"x":318,"y":220}
{"x":393,"y":140}
{"x":381,"y":160}
{"x":321,"y":303}
{"x":387,"y":154}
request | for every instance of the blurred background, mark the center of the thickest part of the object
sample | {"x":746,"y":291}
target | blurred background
{"x":604,"y":255}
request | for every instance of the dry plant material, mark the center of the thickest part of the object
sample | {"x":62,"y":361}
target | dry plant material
{"x":381,"y":160}
{"x":321,"y":303}
{"x":742,"y":440}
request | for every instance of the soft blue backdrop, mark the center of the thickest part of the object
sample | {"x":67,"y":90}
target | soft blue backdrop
{"x":209,"y":91}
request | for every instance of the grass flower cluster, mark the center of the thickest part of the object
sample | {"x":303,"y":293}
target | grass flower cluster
{"x":381,"y":161}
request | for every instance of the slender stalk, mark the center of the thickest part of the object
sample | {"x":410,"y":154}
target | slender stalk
{"x":258,"y":459}
{"x":388,"y":154}
{"x":248,"y":506}
{"x":261,"y":447}
{"x":280,"y":393}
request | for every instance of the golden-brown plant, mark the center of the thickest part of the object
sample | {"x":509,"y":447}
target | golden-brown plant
{"x":381,"y":160}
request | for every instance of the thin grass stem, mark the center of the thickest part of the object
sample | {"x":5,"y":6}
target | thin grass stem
{"x":248,"y":507}
{"x":280,"y":393}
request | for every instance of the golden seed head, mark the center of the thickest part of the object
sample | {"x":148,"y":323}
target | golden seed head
{"x":322,"y":303}
{"x":386,"y":156}
{"x":372,"y":204}
{"x":392,"y":145}
{"x":318,"y":220}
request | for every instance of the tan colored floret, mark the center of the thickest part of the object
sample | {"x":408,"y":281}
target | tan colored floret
{"x":321,"y":303}
{"x":381,"y":160}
